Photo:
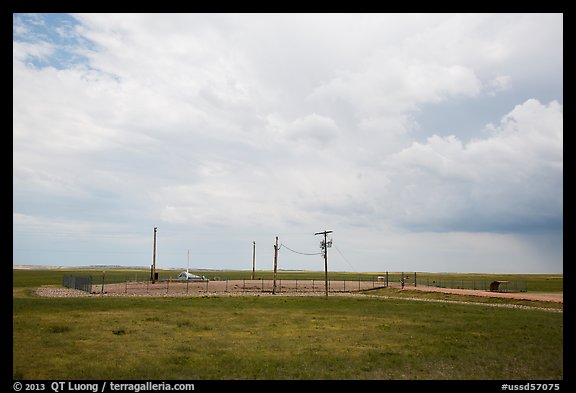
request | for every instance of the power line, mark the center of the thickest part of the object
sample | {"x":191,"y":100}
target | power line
{"x":342,"y":255}
{"x":298,"y":252}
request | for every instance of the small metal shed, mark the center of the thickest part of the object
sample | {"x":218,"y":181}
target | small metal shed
{"x":495,"y":285}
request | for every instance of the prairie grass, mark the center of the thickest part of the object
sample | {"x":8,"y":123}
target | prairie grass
{"x":280,"y":338}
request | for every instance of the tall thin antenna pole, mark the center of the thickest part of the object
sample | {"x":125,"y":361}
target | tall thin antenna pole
{"x":253,"y":259}
{"x":188,"y":261}
{"x":154,"y":258}
{"x":325,"y":247}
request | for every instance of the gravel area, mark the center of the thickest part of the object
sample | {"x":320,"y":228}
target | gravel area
{"x":60,"y":292}
{"x":121,"y":290}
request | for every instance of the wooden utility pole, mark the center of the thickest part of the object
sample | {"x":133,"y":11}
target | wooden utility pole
{"x":275,"y":265}
{"x":154,"y":258}
{"x":253,"y":259}
{"x":325,"y":258}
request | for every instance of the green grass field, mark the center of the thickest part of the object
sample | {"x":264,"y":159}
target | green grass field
{"x":265,"y":337}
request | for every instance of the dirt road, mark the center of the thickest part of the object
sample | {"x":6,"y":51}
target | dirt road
{"x":559,"y":298}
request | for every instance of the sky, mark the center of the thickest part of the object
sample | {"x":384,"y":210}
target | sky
{"x":425,"y":142}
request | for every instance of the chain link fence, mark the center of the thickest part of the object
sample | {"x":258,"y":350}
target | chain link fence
{"x":478,"y":285}
{"x":83,"y":283}
{"x":217,"y":285}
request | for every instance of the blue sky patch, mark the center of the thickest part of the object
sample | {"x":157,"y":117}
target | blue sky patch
{"x":57,"y":31}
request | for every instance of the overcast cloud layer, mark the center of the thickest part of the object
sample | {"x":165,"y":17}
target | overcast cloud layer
{"x":425,"y":142}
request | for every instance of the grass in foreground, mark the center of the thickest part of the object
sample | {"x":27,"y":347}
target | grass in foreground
{"x":280,"y":338}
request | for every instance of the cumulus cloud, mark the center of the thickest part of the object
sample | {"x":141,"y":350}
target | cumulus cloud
{"x":498,"y":84}
{"x":496,"y":182}
{"x":395,"y":86}
{"x":281,"y":122}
